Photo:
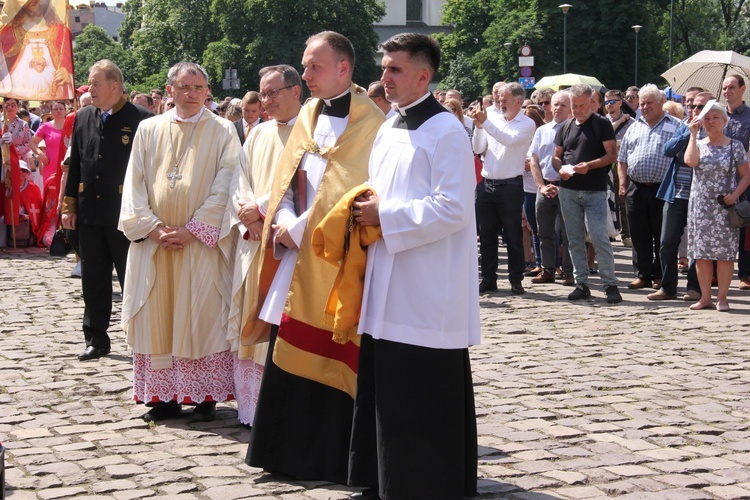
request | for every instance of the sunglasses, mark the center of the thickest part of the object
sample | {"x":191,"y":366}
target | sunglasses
{"x":544,"y":103}
{"x":631,"y":98}
{"x":699,"y":107}
{"x":610,"y":102}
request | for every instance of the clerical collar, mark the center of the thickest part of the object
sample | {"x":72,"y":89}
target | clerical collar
{"x":191,"y":119}
{"x":286,"y":124}
{"x":402,"y":109}
{"x":412,"y":116}
{"x":337,"y":107}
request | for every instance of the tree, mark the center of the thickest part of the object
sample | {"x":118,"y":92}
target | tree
{"x":461,"y":77}
{"x":94,"y":44}
{"x":282,"y":27}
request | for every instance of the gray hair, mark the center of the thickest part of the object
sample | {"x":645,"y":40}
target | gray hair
{"x":515,"y":90}
{"x":720,"y":108}
{"x":289,"y":75}
{"x":185,"y":67}
{"x":548,"y":93}
{"x":653,"y":90}
{"x":580,"y":90}
{"x":561,"y":94}
{"x":234,"y":109}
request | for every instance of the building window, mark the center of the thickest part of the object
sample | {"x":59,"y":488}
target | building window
{"x":77,"y":19}
{"x":413,"y":10}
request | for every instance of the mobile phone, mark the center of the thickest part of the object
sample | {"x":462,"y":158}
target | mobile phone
{"x":480,"y":100}
{"x":720,"y":199}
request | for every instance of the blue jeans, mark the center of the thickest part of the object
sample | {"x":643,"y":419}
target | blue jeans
{"x":582,"y":210}
{"x":674,"y":221}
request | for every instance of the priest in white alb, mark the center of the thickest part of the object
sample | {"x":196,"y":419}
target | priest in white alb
{"x":280,"y":92}
{"x":174,"y":198}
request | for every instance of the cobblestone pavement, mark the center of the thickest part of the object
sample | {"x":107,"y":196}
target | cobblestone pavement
{"x":575,"y":400}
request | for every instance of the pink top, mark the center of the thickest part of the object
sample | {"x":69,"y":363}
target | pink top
{"x":52,"y":137}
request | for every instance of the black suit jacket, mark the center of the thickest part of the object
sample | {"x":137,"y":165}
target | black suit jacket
{"x":240,"y":131}
{"x":98,"y":160}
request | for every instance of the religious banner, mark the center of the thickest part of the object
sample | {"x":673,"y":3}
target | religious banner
{"x":37,"y":56}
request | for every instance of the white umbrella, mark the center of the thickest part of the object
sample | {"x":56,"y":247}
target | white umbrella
{"x":707,"y":69}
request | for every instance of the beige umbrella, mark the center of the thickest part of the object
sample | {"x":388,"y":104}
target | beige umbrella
{"x":707,"y":69}
{"x":558,"y":82}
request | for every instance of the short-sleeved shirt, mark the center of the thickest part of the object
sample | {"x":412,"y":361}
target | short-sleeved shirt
{"x":585,"y":142}
{"x":642,"y":147}
{"x":738,"y":126}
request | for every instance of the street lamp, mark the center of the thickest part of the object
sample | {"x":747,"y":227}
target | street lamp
{"x":637,"y":28}
{"x":565,"y":8}
{"x":510,"y":56}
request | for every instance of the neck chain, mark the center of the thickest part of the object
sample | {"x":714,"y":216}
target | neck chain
{"x":175,"y":176}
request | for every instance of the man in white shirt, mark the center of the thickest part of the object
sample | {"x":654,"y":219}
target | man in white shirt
{"x":505,"y":134}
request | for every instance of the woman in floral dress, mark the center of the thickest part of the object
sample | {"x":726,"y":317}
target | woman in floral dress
{"x":716,"y":159}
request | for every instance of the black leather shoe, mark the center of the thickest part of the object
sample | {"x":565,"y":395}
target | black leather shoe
{"x":92,"y":352}
{"x":366,"y":494}
{"x":162,"y":411}
{"x":204,"y":412}
{"x":517,"y":288}
{"x":486,"y":286}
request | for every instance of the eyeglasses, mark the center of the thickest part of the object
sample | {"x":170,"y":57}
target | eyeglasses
{"x":630,"y":98}
{"x":272,"y":94}
{"x":610,"y":102}
{"x":544,"y":103}
{"x":187,"y":88}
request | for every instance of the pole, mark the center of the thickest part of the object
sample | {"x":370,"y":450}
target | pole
{"x":9,"y":178}
{"x":671,"y":22}
{"x":565,"y":42}
{"x":637,"y":28}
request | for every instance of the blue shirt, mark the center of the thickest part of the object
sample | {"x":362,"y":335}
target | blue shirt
{"x":642,"y":148}
{"x":738,"y":126}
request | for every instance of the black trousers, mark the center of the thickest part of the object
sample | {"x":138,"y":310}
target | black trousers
{"x":101,"y":248}
{"x":415,"y":432}
{"x":645,"y":216}
{"x":499,"y":208}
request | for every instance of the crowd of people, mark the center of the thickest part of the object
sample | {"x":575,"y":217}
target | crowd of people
{"x":606,"y":166}
{"x":283,"y":254}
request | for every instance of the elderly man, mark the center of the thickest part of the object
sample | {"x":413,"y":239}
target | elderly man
{"x":101,"y":144}
{"x":504,"y":134}
{"x":547,"y":202}
{"x":174,"y":199}
{"x":414,"y":392}
{"x":675,"y":192}
{"x":738,"y":127}
{"x":543,"y":99}
{"x":641,"y":168}
{"x":303,"y":422}
{"x":376,"y":92}
{"x":621,"y":121}
{"x":280,"y":91}
{"x":586,"y":147}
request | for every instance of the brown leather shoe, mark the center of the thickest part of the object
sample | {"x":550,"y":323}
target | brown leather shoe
{"x":639,"y":283}
{"x":544,"y":277}
{"x":660,"y":295}
{"x":691,"y":296}
{"x":745,"y":283}
{"x":568,"y":280}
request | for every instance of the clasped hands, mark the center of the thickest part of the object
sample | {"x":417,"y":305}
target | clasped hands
{"x":249,"y":216}
{"x":172,"y":238}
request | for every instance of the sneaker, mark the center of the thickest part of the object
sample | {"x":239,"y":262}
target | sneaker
{"x":581,"y":292}
{"x":627,"y":242}
{"x":613,"y":294}
{"x":76,"y":272}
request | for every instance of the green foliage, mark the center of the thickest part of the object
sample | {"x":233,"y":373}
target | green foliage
{"x":94,"y":44}
{"x":461,"y":78}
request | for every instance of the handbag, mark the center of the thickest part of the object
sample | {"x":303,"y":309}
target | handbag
{"x":739,"y":213}
{"x":60,"y":246}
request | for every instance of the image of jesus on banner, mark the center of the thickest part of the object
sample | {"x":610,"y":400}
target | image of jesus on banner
{"x":37,"y":58}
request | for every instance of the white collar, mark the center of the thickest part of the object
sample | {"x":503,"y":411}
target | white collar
{"x":328,"y":101}
{"x":191,"y":119}
{"x":244,"y":122}
{"x":286,"y":124}
{"x":402,"y":110}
